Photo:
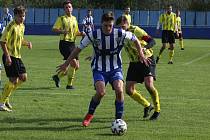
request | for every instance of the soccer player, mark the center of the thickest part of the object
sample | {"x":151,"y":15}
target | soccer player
{"x":7,"y":17}
{"x":107,"y":63}
{"x":138,"y":72}
{"x":127,"y":14}
{"x":168,"y":21}
{"x":67,"y":26}
{"x":1,"y":28}
{"x":11,"y":42}
{"x":87,"y":22}
{"x":179,"y":26}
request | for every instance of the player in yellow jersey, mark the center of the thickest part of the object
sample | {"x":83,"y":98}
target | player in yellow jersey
{"x":139,"y":72}
{"x":168,"y":21}
{"x":67,"y":26}
{"x":127,"y":14}
{"x":179,"y":27}
{"x":11,"y":41}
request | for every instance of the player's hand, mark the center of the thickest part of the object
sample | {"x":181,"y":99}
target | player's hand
{"x":8,"y":61}
{"x":146,"y":61}
{"x":29,"y":45}
{"x":89,"y":58}
{"x":62,"y":68}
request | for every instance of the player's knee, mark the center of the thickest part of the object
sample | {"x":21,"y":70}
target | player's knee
{"x":129,"y":91}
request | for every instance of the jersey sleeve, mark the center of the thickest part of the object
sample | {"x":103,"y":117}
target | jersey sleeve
{"x":86,"y":41}
{"x":5,"y":34}
{"x":57,"y":24}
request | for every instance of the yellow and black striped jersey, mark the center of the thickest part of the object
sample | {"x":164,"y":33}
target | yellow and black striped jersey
{"x":130,"y":46}
{"x":13,"y":36}
{"x":168,"y":21}
{"x":69,"y":24}
{"x":179,"y":22}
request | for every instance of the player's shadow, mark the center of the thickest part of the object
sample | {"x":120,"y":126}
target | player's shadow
{"x":47,"y":124}
{"x":36,"y":88}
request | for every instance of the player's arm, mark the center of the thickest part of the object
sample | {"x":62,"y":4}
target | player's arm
{"x":142,"y":58}
{"x":27,"y":43}
{"x":84,"y":43}
{"x":57,"y":27}
{"x":6,"y":53}
{"x":150,"y":41}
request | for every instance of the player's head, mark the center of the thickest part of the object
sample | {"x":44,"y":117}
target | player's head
{"x":19,"y":13}
{"x":122,"y":21}
{"x":89,"y":12}
{"x":127,"y":10}
{"x":169,"y":9}
{"x":107,"y":22}
{"x":67,"y":7}
{"x":6,"y":10}
{"x":177,"y":13}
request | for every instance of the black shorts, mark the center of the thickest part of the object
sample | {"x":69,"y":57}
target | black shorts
{"x":16,"y":68}
{"x":168,"y":37}
{"x":137,"y":71}
{"x":66,"y":48}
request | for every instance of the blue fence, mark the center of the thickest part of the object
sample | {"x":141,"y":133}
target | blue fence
{"x":40,"y":20}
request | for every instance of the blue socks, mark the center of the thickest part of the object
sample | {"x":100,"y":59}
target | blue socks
{"x":119,"y":106}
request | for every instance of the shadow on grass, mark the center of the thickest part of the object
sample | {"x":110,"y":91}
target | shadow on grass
{"x":48,"y":124}
{"x":36,"y":88}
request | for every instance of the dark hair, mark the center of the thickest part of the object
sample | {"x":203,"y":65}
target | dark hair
{"x":107,"y":17}
{"x":19,"y":10}
{"x":66,"y":2}
{"x":120,"y":19}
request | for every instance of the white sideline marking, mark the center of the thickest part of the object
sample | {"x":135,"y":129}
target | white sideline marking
{"x":197,"y":59}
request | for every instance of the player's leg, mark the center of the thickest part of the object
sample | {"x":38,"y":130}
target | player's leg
{"x":181,"y":42}
{"x":74,"y":65}
{"x":119,"y":102}
{"x":7,"y":91}
{"x":171,"y":40}
{"x":154,"y":94}
{"x":100,"y":83}
{"x":164,"y":43}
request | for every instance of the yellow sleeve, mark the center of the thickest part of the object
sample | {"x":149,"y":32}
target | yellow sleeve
{"x":76,"y":28}
{"x":5,"y":34}
{"x":140,"y":33}
{"x":161,"y":18}
{"x":57,"y":24}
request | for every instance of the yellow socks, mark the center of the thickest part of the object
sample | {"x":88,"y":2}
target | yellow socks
{"x":61,"y":74}
{"x":140,"y":99}
{"x":70,"y":75}
{"x":155,"y":99}
{"x":181,"y":43}
{"x":171,"y":55}
{"x":8,"y":88}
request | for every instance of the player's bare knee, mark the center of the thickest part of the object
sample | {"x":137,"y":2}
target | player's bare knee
{"x":23,"y":78}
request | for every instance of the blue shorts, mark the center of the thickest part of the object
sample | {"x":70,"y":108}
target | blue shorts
{"x":107,"y":76}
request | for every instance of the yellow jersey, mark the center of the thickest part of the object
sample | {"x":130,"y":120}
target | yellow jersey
{"x":13,"y":37}
{"x":69,"y":24}
{"x":130,"y":46}
{"x":179,"y":24}
{"x":168,"y":21}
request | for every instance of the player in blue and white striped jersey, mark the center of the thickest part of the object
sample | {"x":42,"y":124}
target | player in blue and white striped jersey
{"x":7,"y":17}
{"x":107,"y":63}
{"x":87,"y":22}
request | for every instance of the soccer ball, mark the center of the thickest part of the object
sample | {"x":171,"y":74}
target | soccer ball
{"x":119,"y":127}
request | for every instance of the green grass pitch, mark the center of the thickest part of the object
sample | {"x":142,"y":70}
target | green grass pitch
{"x":43,"y":112}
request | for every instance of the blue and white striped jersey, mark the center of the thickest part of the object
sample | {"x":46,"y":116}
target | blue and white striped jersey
{"x":107,"y":48}
{"x":7,"y":19}
{"x":88,"y":21}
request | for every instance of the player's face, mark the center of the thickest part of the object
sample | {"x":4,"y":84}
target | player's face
{"x":177,"y":13}
{"x":107,"y":27}
{"x":127,"y":10}
{"x":68,"y":8}
{"x":89,"y":13}
{"x":169,"y":9}
{"x":20,"y":18}
{"x":124,"y":25}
